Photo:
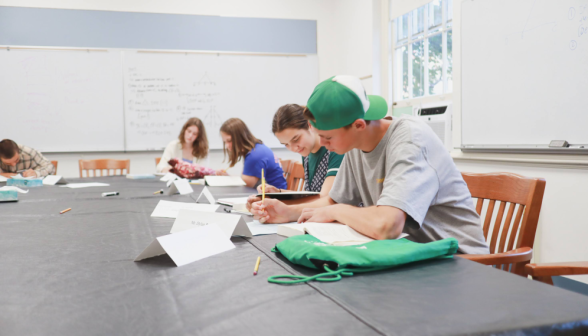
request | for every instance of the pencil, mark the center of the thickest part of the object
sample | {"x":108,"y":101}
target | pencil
{"x":257,"y":266}
{"x":64,"y":211}
{"x":262,"y":186}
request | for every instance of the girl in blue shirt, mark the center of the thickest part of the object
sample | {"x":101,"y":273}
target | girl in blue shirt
{"x":238,"y":142}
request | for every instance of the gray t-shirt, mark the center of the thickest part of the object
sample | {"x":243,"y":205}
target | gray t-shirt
{"x":411,"y":170}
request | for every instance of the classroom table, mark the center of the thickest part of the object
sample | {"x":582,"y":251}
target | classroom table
{"x":74,"y":274}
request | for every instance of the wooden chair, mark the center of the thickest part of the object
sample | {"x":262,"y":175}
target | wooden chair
{"x":100,"y":166}
{"x":544,"y":272}
{"x":511,"y":242}
{"x":296,"y":178}
{"x":286,"y":166}
{"x":54,"y":163}
{"x":157,"y":161}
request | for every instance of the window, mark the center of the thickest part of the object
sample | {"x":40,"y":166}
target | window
{"x":422,"y":56}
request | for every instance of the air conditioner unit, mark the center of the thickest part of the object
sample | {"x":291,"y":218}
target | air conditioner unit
{"x":439,"y":117}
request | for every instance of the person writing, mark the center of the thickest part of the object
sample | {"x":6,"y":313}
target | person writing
{"x":191,"y":146}
{"x":21,"y":159}
{"x":239,"y":143}
{"x":396,"y":175}
{"x":320,"y":164}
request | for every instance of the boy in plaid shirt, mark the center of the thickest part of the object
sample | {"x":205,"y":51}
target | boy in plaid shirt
{"x":18,"y":158}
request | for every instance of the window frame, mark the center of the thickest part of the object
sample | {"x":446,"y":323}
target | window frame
{"x":395,"y":76}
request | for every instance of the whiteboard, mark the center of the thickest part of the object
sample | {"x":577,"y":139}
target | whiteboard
{"x":524,"y":68}
{"x":62,"y":100}
{"x":163,"y":90}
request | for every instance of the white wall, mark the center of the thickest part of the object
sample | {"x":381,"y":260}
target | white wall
{"x":344,"y":29}
{"x":563,"y":226}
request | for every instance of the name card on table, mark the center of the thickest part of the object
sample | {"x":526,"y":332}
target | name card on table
{"x":180,"y":186}
{"x":190,"y":245}
{"x":231,"y":225}
{"x":53,"y":180}
{"x":169,"y":177}
{"x":206,"y":193}
{"x":170,"y":209}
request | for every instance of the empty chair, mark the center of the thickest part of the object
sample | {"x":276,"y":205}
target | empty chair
{"x":286,"y":164}
{"x":510,"y":241}
{"x":104,"y":167}
{"x":54,"y":163}
{"x":296,"y":178}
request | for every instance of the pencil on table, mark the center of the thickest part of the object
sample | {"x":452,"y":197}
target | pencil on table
{"x":64,"y":211}
{"x":257,"y":266}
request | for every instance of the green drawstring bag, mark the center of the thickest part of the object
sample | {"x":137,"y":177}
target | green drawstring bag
{"x":338,"y":261}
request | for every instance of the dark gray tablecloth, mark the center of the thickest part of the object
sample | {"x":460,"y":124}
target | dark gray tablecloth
{"x":74,"y":274}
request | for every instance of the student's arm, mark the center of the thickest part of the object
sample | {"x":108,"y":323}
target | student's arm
{"x":41,"y":166}
{"x":274,"y":211}
{"x":163,"y":166}
{"x":327,"y":185}
{"x":377,"y":222}
{"x":335,"y":161}
{"x":250,"y":181}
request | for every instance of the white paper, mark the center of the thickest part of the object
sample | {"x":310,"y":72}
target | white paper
{"x":330,"y":233}
{"x":232,"y":201}
{"x":13,"y":188}
{"x":224,"y":181}
{"x":140,"y":176}
{"x":3,"y":179}
{"x":258,"y":229}
{"x":180,"y":186}
{"x":206,"y":193}
{"x":190,"y":245}
{"x":169,"y":177}
{"x":169,"y":209}
{"x":232,"y":225}
{"x":85,"y":185}
{"x":53,"y":180}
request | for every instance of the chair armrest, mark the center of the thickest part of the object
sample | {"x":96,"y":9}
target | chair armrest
{"x":553,"y":269}
{"x":514,"y":256}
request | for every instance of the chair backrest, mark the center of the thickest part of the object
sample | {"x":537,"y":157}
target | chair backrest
{"x":54,"y":163}
{"x":523,"y":196}
{"x":286,"y":166}
{"x":296,"y":178}
{"x":104,"y":167}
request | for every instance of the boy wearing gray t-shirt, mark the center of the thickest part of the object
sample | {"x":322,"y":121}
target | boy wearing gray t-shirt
{"x":396,"y":175}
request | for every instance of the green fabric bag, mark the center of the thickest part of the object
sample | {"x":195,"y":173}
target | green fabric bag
{"x":306,"y":250}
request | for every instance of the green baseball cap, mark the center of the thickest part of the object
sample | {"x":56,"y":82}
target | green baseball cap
{"x":341,"y":100}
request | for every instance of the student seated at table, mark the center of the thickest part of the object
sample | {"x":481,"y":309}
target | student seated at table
{"x":21,"y":159}
{"x":239,"y":143}
{"x":190,"y":146}
{"x":320,"y":164}
{"x":396,"y":175}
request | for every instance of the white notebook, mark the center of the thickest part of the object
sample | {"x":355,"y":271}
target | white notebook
{"x":224,"y":181}
{"x":232,"y":201}
{"x":330,"y":233}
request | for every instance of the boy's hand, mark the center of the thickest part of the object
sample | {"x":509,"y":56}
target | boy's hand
{"x":252,"y":199}
{"x":29,"y":173}
{"x":268,"y":189}
{"x":317,"y":215}
{"x":272,"y":212}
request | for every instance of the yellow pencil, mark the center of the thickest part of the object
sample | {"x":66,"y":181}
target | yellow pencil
{"x":262,"y":186}
{"x":64,"y":211}
{"x":257,"y":266}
